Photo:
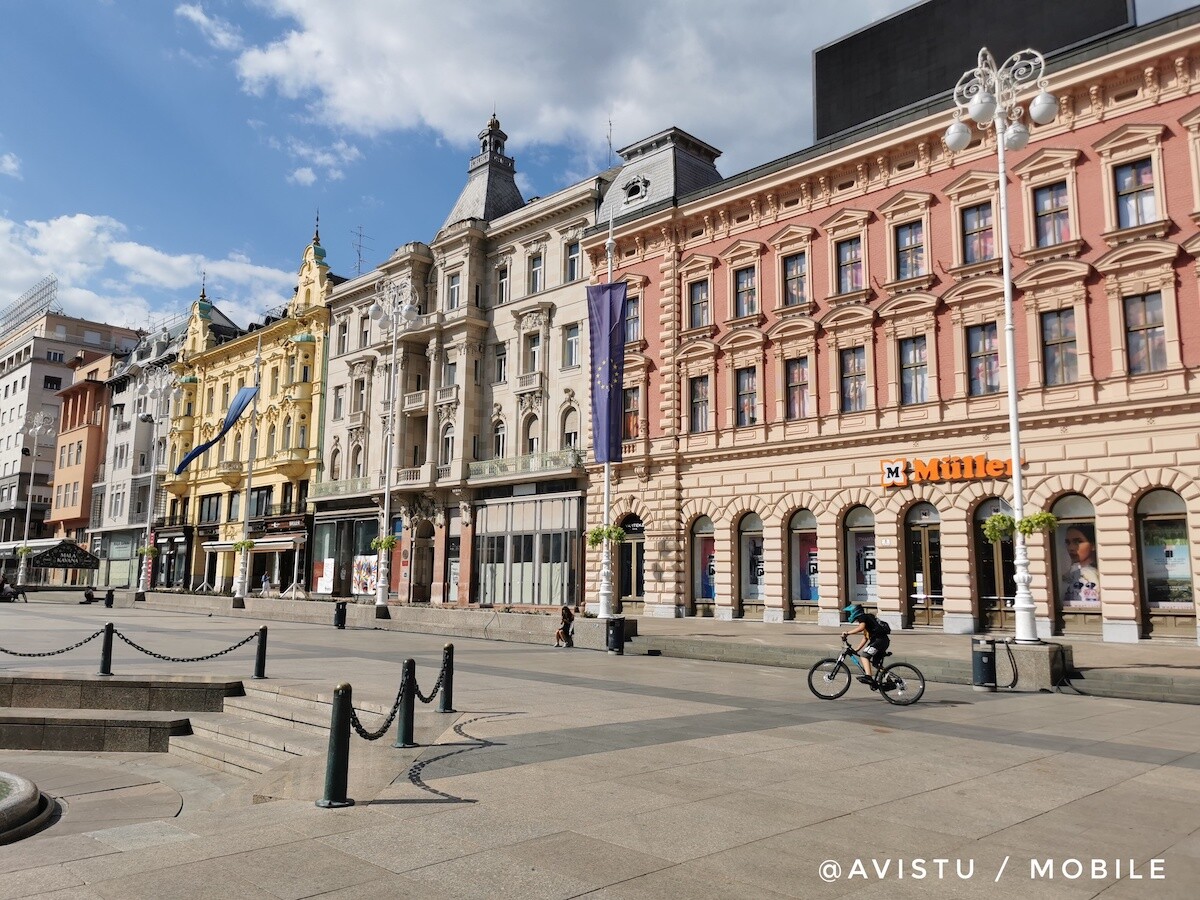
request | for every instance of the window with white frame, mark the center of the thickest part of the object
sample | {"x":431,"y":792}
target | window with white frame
{"x":358,"y":395}
{"x":1145,"y":337}
{"x":853,"y":373}
{"x":914,"y":367}
{"x":698,"y":404}
{"x":343,"y":337}
{"x":795,"y":279}
{"x":447,"y":445}
{"x":631,"y":407}
{"x":570,"y":429}
{"x":574,"y":263}
{"x":633,"y":319}
{"x":501,"y":285}
{"x":533,"y":352}
{"x":1052,"y":214}
{"x":571,"y":346}
{"x":364,"y":332}
{"x":849,"y":265}
{"x":1060,"y":363}
{"x":698,"y":308}
{"x":745,"y":292}
{"x":978,"y":236}
{"x":499,"y":440}
{"x":501,"y":367}
{"x":536,"y":285}
{"x":796,"y":387}
{"x":910,"y":250}
{"x":746,"y":380}
{"x":1133,"y":185}
{"x":983,"y":354}
{"x":453,"y":291}
{"x":339,"y":402}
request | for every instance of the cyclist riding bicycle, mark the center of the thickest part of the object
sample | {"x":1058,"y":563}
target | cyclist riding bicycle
{"x":874,"y":644}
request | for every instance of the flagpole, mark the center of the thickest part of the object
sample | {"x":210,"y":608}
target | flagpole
{"x":606,"y":588}
{"x":239,"y":582}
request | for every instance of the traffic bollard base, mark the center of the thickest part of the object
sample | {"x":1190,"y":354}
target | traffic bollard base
{"x":334,"y":804}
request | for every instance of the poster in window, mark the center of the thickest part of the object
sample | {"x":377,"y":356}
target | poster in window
{"x":1079,"y":581}
{"x":1166,"y":571}
{"x":865,"y":584}
{"x":708,"y":571}
{"x":364,"y":574}
{"x":754,"y":568}
{"x":323,"y":575}
{"x":804,"y":577}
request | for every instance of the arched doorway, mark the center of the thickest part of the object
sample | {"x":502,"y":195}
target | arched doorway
{"x":994,"y":571}
{"x":631,"y":565}
{"x":1164,"y":563}
{"x":923,"y":558}
{"x":802,"y":565}
{"x":704,"y":566}
{"x":1076,"y":566}
{"x":422,"y":567}
{"x":859,"y":573}
{"x":751,"y":566}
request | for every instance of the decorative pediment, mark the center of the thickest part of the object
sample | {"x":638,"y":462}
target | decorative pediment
{"x":971,"y":290}
{"x":915,"y":303}
{"x":701,"y":348}
{"x":1192,"y":246}
{"x":1192,"y":120}
{"x":848,"y":317}
{"x":697,"y":264}
{"x":1047,"y":161}
{"x":743,"y":250}
{"x":906,"y":203}
{"x":793,"y":329}
{"x":635,"y":281}
{"x":1130,"y":137}
{"x":792,"y":237}
{"x":972,"y":184}
{"x":1053,"y":272}
{"x":1146,"y":254}
{"x":846,"y":220}
{"x":742,"y":339}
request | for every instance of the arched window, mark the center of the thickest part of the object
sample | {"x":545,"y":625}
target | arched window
{"x":499,"y":440}
{"x":570,"y":429}
{"x":271,"y":441}
{"x":302,"y":437}
{"x":447,"y":445}
{"x":237,"y":446}
{"x":802,"y":550}
{"x":860,"y":576}
{"x":1165,"y":565}
{"x":356,"y":462}
{"x":335,"y":465}
{"x":533,"y":435}
{"x":704,"y":560}
{"x":750,"y":562}
{"x":287,"y":434}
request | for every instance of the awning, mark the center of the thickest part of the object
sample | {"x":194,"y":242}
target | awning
{"x":64,"y":555}
{"x":273,"y":544}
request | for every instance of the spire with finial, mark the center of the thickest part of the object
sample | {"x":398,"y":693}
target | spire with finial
{"x":317,"y":230}
{"x":203,"y":276}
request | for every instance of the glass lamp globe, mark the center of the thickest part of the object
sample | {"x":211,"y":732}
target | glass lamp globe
{"x":1016,"y":136}
{"x":1043,"y":108}
{"x":982,"y":107}
{"x":957,"y":136}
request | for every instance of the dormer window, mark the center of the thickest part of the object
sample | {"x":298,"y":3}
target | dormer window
{"x":635,"y":188}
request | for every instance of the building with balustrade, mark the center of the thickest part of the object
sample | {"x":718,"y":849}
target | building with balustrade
{"x":817,"y":414}
{"x":259,"y":474}
{"x":488,"y":477}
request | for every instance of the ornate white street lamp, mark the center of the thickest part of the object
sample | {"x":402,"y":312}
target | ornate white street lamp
{"x":987,"y":94}
{"x":395,"y":304}
{"x":154,"y":383}
{"x":605,"y":591}
{"x":241,"y":580}
{"x":37,"y":424}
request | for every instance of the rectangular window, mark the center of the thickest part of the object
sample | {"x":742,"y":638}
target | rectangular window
{"x":358,"y":398}
{"x":745,"y":293}
{"x":978,"y":244}
{"x":795,"y":279}
{"x":854,"y":379}
{"x":1059,"y":362}
{"x":633,"y":319}
{"x":51,"y":383}
{"x":984,"y":352}
{"x":533,"y":352}
{"x":913,"y":371}
{"x":1144,"y":335}
{"x":698,"y":404}
{"x":849,"y":263}
{"x":747,"y":396}
{"x":501,"y":364}
{"x":501,"y":285}
{"x":343,"y":339}
{"x":910,"y":250}
{"x":570,"y":346}
{"x":54,"y":356}
{"x":260,"y":501}
{"x":364,"y":332}
{"x":1052,"y":215}
{"x":453,"y":290}
{"x":339,"y":401}
{"x":210,"y":508}
{"x":698,"y":310}
{"x":235,"y":506}
{"x":795,"y":372}
{"x":629,"y":421}
{"x":1135,"y":193}
{"x":535,"y":273}
{"x":574,"y":269}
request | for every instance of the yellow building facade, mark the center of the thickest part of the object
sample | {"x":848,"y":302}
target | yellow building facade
{"x":254,"y":482}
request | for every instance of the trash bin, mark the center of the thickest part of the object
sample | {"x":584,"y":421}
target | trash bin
{"x":614,"y":634}
{"x":983,"y":664}
{"x":339,"y":614}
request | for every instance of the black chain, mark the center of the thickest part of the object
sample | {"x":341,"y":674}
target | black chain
{"x":437,"y":687}
{"x":55,"y":652}
{"x":135,"y":646}
{"x":391,"y":716}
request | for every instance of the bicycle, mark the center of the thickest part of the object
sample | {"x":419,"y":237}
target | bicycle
{"x":900,"y":683}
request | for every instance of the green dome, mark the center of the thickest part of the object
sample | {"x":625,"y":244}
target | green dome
{"x":304,"y":338}
{"x":189,"y":379}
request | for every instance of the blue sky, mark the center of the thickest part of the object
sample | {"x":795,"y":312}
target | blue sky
{"x":145,"y":141}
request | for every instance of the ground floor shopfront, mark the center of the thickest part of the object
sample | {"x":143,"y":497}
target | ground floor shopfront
{"x":798,"y":534}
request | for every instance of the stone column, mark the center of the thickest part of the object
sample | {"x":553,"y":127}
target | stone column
{"x":437,"y":585}
{"x":466,"y":552}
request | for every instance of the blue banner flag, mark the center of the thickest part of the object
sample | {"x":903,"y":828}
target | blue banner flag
{"x":606,"y":318}
{"x":240,"y":402}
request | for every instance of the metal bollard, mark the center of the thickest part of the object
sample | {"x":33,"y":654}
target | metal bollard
{"x":446,"y":703}
{"x":983,"y":664}
{"x":260,"y":656}
{"x":337,"y":761}
{"x":339,"y":614}
{"x":408,"y":702}
{"x":106,"y":650}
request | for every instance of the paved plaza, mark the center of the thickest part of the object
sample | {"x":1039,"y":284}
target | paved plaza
{"x":572,"y":773}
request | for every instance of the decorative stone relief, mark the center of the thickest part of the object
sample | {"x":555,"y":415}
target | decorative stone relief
{"x":1151,"y":78}
{"x":531,"y":402}
{"x":446,"y":412}
{"x":1182,"y":74}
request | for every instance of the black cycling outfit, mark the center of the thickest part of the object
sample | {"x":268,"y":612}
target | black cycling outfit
{"x":877,"y":641}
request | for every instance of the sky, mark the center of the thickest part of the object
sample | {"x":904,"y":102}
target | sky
{"x":145,"y":142}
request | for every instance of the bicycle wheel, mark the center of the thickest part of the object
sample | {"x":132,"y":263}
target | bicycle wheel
{"x":902,"y":684}
{"x":829,"y":679}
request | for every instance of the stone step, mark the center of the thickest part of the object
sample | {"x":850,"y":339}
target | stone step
{"x":277,"y":709}
{"x":240,"y":761}
{"x":279,"y":741}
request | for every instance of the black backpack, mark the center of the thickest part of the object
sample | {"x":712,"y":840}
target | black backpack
{"x":876,"y":627}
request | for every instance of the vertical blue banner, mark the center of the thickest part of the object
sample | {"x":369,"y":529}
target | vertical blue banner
{"x":606,"y":321}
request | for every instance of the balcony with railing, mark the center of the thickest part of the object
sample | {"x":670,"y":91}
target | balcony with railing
{"x":448,"y":394}
{"x":345,"y":487}
{"x":530,"y":381}
{"x":124,"y":424}
{"x":555,"y":462}
{"x":416,"y":401}
{"x":170,"y":521}
{"x":271,"y":510}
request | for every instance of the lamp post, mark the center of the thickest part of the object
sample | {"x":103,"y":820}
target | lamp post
{"x":37,"y":424}
{"x":394,"y":303}
{"x":153,"y":383}
{"x":606,"y":587}
{"x":242,"y":578}
{"x":987,"y":94}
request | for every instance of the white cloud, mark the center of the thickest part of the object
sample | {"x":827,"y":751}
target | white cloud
{"x":303,"y":176}
{"x":736,"y":75}
{"x":10,"y":165}
{"x":221,"y":34}
{"x":106,"y":277}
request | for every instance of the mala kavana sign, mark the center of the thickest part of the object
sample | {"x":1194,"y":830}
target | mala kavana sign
{"x":65,"y":556}
{"x":901,"y":472}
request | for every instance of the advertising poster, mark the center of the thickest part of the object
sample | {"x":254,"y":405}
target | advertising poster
{"x":708,"y":569}
{"x":754,"y":568}
{"x":804,"y":570}
{"x":866,"y":588}
{"x":323,"y":576}
{"x":364,"y":574}
{"x":1077,"y":563}
{"x":1166,"y":571}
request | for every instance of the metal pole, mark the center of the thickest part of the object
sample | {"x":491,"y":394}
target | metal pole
{"x":241,"y":580}
{"x":106,"y":650}
{"x":446,"y":704}
{"x":382,"y":581}
{"x":408,"y":701}
{"x":148,"y":560}
{"x":606,"y":589}
{"x":22,"y":566}
{"x":337,"y":759}
{"x":260,"y":655}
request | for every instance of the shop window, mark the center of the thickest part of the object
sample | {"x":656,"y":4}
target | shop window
{"x":704,"y":560}
{"x":994,"y":570}
{"x":1164,"y":552}
{"x":1076,"y":555}
{"x":923,"y":558}
{"x":860,"y":576}
{"x":631,"y":561}
{"x":751,"y":565}
{"x":802,"y":555}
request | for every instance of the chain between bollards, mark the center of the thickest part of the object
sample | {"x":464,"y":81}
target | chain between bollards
{"x":260,"y":656}
{"x":337,"y":760}
{"x":446,"y":704}
{"x":106,"y":650}
{"x":408,"y":697}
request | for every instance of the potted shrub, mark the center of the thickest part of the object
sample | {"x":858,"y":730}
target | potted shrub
{"x":1000,"y":526}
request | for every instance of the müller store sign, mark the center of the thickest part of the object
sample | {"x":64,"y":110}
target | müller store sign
{"x":901,"y":472}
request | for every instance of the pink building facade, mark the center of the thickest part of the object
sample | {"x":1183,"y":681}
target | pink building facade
{"x":815,"y":380}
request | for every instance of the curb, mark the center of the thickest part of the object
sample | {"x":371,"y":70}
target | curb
{"x":24,"y":810}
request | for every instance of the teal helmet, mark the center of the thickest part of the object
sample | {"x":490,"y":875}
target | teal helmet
{"x":853,"y":612}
